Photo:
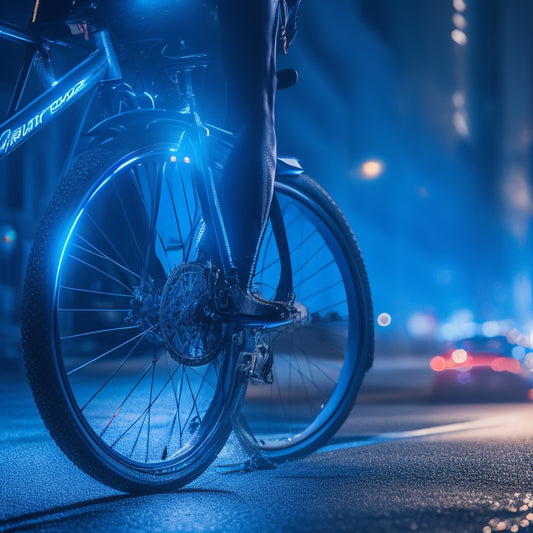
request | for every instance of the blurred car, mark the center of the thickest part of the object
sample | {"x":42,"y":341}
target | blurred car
{"x":483,"y":369}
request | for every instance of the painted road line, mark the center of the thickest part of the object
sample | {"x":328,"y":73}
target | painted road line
{"x":359,"y":441}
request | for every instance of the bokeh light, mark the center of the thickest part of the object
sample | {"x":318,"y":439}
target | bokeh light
{"x":384,"y":319}
{"x":372,"y":169}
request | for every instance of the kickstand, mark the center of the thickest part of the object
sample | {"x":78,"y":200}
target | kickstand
{"x":258,"y":462}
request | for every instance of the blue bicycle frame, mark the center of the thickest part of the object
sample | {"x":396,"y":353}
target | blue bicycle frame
{"x":100,"y":67}
{"x":22,"y":124}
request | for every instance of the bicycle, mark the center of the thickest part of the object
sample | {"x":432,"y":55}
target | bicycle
{"x":138,"y":365}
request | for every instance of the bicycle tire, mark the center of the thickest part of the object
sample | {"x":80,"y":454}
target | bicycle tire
{"x":318,"y":366}
{"x":118,"y":401}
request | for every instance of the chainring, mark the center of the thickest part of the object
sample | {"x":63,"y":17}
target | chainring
{"x":191,"y":336}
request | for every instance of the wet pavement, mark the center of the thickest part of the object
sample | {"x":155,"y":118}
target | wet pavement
{"x":395,"y":466}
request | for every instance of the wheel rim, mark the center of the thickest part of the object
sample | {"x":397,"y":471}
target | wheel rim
{"x":315,"y":361}
{"x":139,"y":406}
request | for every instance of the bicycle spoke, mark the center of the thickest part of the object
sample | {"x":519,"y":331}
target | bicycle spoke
{"x":155,"y":191}
{"x":98,"y":253}
{"x":324,"y":289}
{"x":268,"y":286}
{"x":98,"y":332}
{"x":163,"y":245}
{"x":292,"y":252}
{"x":149,"y":414}
{"x":331,"y":306}
{"x":142,"y":415}
{"x":93,"y":310}
{"x":311,"y":276}
{"x":310,"y":400}
{"x":181,"y":428}
{"x":176,"y":416}
{"x":107,"y":239}
{"x":148,"y":214}
{"x":303,"y":242}
{"x":128,"y":223}
{"x":186,"y":198}
{"x":128,"y":396}
{"x":299,"y":216}
{"x":115,"y":372}
{"x":101,"y":272}
{"x":266,"y":267}
{"x":77,"y":369}
{"x":312,"y":257}
{"x":309,"y":378}
{"x":284,"y":410}
{"x":135,"y":174}
{"x":119,"y":408}
{"x":145,"y":415}
{"x":136,"y":439}
{"x":95,"y":292}
{"x":194,"y":398}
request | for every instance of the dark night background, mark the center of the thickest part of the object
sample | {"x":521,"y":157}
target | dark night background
{"x":440,"y":93}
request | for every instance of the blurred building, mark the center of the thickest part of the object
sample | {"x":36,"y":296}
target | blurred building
{"x":465,"y":72}
{"x":438,"y":93}
{"x":27,"y":179}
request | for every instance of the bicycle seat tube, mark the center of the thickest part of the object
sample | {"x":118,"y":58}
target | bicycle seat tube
{"x":103,"y":42}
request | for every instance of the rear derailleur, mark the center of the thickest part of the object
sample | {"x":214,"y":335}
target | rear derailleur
{"x":257,"y":364}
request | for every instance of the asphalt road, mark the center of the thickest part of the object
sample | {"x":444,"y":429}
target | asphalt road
{"x":400,"y":464}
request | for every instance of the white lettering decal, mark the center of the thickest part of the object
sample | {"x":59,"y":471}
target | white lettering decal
{"x":4,"y":140}
{"x":9,"y":138}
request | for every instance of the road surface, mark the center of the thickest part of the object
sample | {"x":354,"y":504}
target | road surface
{"x":401,"y":463}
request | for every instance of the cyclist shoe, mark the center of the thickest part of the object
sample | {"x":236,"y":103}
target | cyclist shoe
{"x":250,"y":307}
{"x":245,"y":305}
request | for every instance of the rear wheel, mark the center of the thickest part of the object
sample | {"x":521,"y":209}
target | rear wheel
{"x":321,"y":359}
{"x":133,"y":386}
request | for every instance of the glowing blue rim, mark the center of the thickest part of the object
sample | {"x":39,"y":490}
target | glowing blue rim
{"x":130,"y":161}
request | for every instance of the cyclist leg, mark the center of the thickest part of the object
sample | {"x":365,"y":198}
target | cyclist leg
{"x":248,"y":56}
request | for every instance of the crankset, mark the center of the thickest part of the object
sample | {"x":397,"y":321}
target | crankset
{"x":189,"y":325}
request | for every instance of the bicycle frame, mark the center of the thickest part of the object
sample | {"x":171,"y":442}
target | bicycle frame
{"x":22,"y":124}
{"x":99,"y":67}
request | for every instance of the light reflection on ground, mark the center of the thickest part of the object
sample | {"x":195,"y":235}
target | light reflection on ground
{"x":514,"y":514}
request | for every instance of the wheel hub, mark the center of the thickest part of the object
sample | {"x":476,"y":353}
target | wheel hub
{"x":145,"y":306}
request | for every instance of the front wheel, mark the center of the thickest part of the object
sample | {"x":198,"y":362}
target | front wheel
{"x":319,"y":361}
{"x":133,"y":387}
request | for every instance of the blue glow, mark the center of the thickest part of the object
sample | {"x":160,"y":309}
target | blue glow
{"x":67,"y":241}
{"x":9,"y":237}
{"x":427,"y":234}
